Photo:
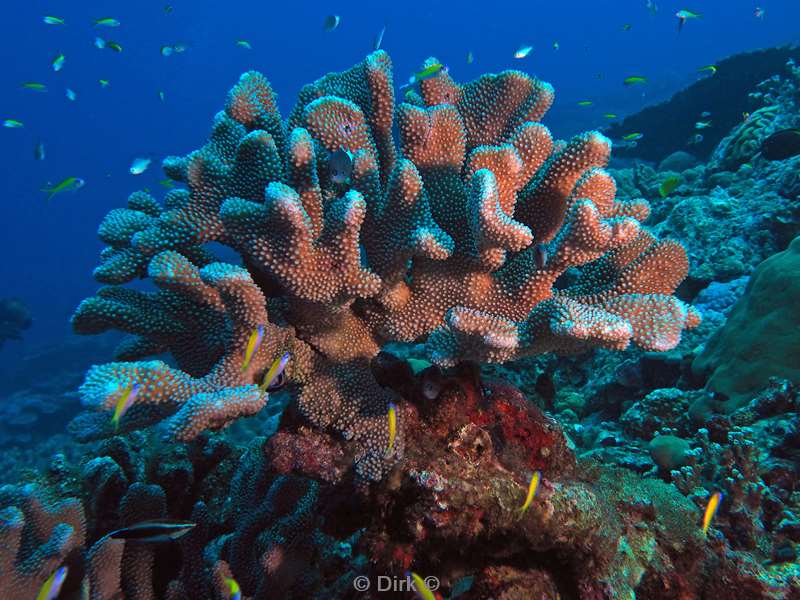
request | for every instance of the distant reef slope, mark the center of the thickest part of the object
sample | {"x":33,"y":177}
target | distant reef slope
{"x":668,"y":126}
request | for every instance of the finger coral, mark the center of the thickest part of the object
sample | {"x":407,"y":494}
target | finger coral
{"x":475,"y":232}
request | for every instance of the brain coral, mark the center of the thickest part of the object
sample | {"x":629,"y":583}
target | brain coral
{"x":457,"y":235}
{"x":759,"y":339}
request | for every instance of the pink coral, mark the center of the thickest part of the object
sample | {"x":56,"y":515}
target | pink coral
{"x":438,"y":238}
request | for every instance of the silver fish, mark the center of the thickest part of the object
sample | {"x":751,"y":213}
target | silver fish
{"x":153,"y":531}
{"x":341,"y":166}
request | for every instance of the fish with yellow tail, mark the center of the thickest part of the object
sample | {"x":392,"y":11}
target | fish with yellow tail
{"x":392,"y":427}
{"x":420,"y":587}
{"x":70,"y":184}
{"x":233,"y":589}
{"x":252,"y":346}
{"x":125,"y":401}
{"x":52,"y":585}
{"x":532,"y":487}
{"x":711,"y":510}
{"x":272,"y":378}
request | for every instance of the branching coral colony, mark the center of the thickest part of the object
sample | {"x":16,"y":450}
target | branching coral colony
{"x":477,"y":234}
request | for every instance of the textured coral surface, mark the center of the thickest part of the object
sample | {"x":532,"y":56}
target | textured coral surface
{"x":474,"y":231}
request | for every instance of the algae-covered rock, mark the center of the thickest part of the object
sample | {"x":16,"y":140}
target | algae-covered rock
{"x":760,"y":339}
{"x":669,"y":452}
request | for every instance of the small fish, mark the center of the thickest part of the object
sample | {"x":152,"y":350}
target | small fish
{"x":470,"y":57}
{"x":627,"y":27}
{"x":113,"y":46}
{"x":13,"y":124}
{"x":420,"y":587}
{"x":632,"y":137}
{"x":705,"y":114}
{"x":70,"y":94}
{"x":107,"y":22}
{"x":139,"y":165}
{"x":161,"y":95}
{"x":331,"y":22}
{"x":634,"y":79}
{"x":556,"y":45}
{"x":53,"y":20}
{"x":711,"y":510}
{"x":274,"y":372}
{"x":244,"y":44}
{"x":695,"y":139}
{"x":610,"y":115}
{"x":103,"y":82}
{"x":256,"y":337}
{"x":392,"y":427}
{"x":702,"y":125}
{"x":781,"y":145}
{"x":759,"y":12}
{"x":168,"y":9}
{"x":167,"y":50}
{"x":668,"y":185}
{"x":426,"y":73}
{"x":167,"y":183}
{"x":38,"y":151}
{"x":125,"y":401}
{"x":532,"y":487}
{"x":684,"y":15}
{"x":585,"y":103}
{"x":708,"y":68}
{"x":234,"y":591}
{"x":341,"y":166}
{"x":34,"y":86}
{"x":523,"y":51}
{"x":178,"y":48}
{"x":51,"y":588}
{"x":652,"y":7}
{"x":376,"y":43}
{"x":154,"y":531}
{"x":99,"y":43}
{"x":540,"y":256}
{"x":745,"y":117}
{"x":70,"y":184}
{"x":58,"y":62}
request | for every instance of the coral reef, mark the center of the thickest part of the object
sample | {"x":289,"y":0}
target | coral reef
{"x":481,"y":234}
{"x":669,"y":125}
{"x":487,"y":281}
{"x":778,"y":108}
{"x":759,"y":339}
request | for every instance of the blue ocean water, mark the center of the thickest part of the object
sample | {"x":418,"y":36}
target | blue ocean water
{"x":49,"y":249}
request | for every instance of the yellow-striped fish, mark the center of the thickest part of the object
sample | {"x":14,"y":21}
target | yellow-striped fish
{"x":52,"y":586}
{"x":419,"y":585}
{"x":125,"y":401}
{"x":711,"y":510}
{"x":275,"y":370}
{"x":537,"y":476}
{"x":392,"y":427}
{"x":234,"y":591}
{"x":252,"y":346}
